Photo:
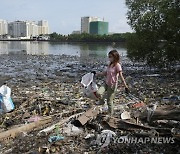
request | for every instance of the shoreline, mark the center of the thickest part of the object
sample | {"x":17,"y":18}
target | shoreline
{"x":25,"y":40}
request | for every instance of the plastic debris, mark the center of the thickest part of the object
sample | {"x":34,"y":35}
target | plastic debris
{"x":151,"y":110}
{"x":6,"y":102}
{"x":125,"y":115}
{"x":1,"y":101}
{"x":47,"y":86}
{"x":34,"y":119}
{"x":171,"y":99}
{"x":90,"y":87}
{"x":175,"y":132}
{"x":55,"y":138}
{"x":71,"y":130}
{"x":87,"y":79}
{"x":139,"y":104}
{"x":89,"y":136}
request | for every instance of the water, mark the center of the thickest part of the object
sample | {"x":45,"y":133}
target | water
{"x":57,"y":48}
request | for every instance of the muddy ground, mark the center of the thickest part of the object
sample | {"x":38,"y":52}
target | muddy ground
{"x":50,"y":86}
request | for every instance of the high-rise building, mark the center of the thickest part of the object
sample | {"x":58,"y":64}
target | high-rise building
{"x":32,"y":28}
{"x":85,"y":23}
{"x":18,"y":29}
{"x":43,"y":27}
{"x":27,"y":28}
{"x":98,"y":27}
{"x":3,"y":27}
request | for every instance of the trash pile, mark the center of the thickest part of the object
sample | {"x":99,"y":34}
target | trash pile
{"x":51,"y":114}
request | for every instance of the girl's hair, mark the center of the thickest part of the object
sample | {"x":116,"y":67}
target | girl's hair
{"x":116,"y":57}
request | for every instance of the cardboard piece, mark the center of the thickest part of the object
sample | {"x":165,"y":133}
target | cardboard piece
{"x":88,"y":115}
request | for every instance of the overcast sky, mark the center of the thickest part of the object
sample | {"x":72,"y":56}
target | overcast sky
{"x":64,"y":16}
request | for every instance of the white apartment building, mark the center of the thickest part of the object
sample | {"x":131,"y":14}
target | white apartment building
{"x":85,"y":23}
{"x":32,"y":28}
{"x":3,"y":27}
{"x":18,"y":29}
{"x":43,"y":27}
{"x":27,"y":28}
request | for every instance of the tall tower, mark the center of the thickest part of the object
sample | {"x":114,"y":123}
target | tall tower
{"x":3,"y":27}
{"x":43,"y":27}
{"x":99,"y":27}
{"x":85,"y":23}
{"x":18,"y":29}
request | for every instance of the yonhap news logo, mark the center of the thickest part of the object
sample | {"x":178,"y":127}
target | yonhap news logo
{"x":143,"y":140}
{"x":109,"y":137}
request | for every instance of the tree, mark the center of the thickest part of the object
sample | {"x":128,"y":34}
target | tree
{"x":157,"y":35}
{"x":84,"y":37}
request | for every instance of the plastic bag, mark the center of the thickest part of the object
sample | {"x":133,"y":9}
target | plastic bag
{"x":5,"y":98}
{"x":1,"y":101}
{"x":90,"y":87}
{"x":87,"y":79}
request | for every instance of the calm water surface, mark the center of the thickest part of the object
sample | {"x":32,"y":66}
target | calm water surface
{"x":54,"y":48}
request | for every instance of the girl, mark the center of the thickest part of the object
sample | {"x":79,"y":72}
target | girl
{"x":112,"y":73}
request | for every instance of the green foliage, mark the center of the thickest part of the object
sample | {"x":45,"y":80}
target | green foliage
{"x":84,"y":37}
{"x":157,"y":35}
{"x":54,"y":36}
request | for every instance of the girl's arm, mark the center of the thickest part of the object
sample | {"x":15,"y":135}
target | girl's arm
{"x":122,"y":79}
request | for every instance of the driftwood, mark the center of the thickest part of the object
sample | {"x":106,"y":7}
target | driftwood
{"x":129,"y":126}
{"x":28,"y":127}
{"x":170,"y":113}
{"x":25,"y":128}
{"x":124,"y":125}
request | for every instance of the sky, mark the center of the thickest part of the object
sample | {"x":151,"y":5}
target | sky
{"x":64,"y":16}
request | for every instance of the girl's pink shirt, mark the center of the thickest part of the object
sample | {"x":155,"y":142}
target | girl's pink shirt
{"x":112,"y":74}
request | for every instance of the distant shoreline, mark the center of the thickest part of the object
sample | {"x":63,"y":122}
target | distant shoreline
{"x":21,"y":40}
{"x":26,"y":40}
